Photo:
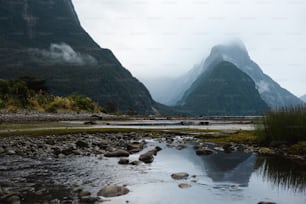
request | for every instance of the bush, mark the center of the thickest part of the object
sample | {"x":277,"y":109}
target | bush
{"x":2,"y":104}
{"x":285,"y":125}
{"x":51,"y":109}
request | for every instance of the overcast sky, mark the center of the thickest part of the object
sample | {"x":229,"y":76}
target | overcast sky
{"x":165,"y":38}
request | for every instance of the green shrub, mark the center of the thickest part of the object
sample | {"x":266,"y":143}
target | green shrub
{"x":2,"y":104}
{"x":51,"y":108}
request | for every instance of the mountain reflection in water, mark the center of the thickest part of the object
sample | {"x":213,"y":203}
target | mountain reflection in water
{"x":235,"y":167}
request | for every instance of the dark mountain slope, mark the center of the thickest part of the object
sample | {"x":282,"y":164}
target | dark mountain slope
{"x":223,"y":90}
{"x":44,"y":39}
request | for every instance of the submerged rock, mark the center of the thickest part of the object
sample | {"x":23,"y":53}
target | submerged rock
{"x":204,"y":151}
{"x":180,"y":175}
{"x":113,"y":191}
{"x":265,"y":202}
{"x":184,"y":185}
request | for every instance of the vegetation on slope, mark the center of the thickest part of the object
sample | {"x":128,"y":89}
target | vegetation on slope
{"x":32,"y":94}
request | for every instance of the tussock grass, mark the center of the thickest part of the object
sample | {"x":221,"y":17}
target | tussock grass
{"x":285,"y":125}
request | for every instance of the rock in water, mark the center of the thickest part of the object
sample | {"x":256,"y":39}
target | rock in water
{"x":117,"y":153}
{"x":184,"y":185}
{"x":180,"y":175}
{"x":113,"y":191}
{"x":124,"y":161}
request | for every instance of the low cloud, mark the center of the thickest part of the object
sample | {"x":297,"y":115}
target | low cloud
{"x":62,"y":54}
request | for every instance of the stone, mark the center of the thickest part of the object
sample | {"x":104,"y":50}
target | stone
{"x":147,"y":157}
{"x":265,"y":202}
{"x":60,"y":156}
{"x":90,"y":123}
{"x":10,"y":152}
{"x":82,"y":144}
{"x":12,"y":198}
{"x":181,"y":147}
{"x":67,"y":151}
{"x":123,"y":161}
{"x":180,"y":175}
{"x":204,"y":151}
{"x":83,"y":193}
{"x":135,"y":163}
{"x":266,"y":151}
{"x":113,"y":191}
{"x":228,"y":148}
{"x":88,"y":199}
{"x":2,"y":150}
{"x":117,"y":153}
{"x":134,"y":147}
{"x":184,"y":185}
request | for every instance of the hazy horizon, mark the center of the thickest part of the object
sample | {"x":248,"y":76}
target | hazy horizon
{"x":166,"y":38}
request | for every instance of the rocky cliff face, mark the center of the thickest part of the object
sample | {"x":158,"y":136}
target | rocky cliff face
{"x":44,"y":39}
{"x":223,"y":90}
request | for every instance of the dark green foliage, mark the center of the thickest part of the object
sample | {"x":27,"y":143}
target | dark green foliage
{"x":284,"y":125}
{"x":16,"y":94}
{"x":224,"y":90}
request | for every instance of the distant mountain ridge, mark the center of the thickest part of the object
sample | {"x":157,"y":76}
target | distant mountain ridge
{"x":236,"y":53}
{"x":44,"y":39}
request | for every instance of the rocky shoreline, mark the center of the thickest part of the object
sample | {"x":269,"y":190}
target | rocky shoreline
{"x":101,"y":145}
{"x":31,"y":116}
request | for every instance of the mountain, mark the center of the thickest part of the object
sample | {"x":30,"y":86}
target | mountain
{"x":303,"y":98}
{"x":44,"y":39}
{"x":236,"y":53}
{"x":223,"y":90}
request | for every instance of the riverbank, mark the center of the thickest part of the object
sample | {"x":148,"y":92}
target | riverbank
{"x":33,"y":167}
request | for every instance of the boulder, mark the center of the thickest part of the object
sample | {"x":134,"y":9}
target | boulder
{"x":180,"y":175}
{"x":117,"y":153}
{"x":148,"y":156}
{"x":113,"y":191}
{"x":123,"y":161}
{"x":134,"y":147}
{"x":81,"y":144}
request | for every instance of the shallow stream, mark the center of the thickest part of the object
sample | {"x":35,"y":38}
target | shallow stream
{"x":233,"y":178}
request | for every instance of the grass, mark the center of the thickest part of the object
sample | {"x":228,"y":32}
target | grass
{"x":285,"y":125}
{"x":242,"y":136}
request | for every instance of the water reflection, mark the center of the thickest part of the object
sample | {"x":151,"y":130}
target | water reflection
{"x":235,"y":167}
{"x":282,"y":173}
